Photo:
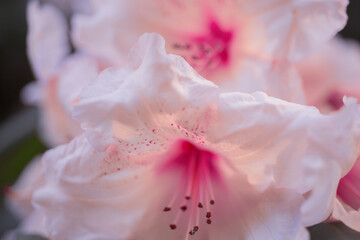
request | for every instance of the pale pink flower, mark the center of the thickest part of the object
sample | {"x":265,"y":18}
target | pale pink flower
{"x":241,"y":45}
{"x":166,"y":153}
{"x":329,"y":74}
{"x":60,"y":76}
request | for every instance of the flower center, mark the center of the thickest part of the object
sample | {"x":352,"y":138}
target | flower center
{"x":207,"y":52}
{"x":335,"y":100}
{"x":194,"y":192}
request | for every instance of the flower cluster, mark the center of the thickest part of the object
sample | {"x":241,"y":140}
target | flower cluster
{"x":200,"y":119}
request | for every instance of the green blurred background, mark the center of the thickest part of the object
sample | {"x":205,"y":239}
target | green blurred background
{"x":19,"y":142}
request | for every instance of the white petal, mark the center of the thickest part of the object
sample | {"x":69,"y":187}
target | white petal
{"x":340,"y":58}
{"x":273,"y":214}
{"x":77,"y":191}
{"x":288,"y":142}
{"x":75,"y":73}
{"x":162,"y":85}
{"x":61,"y":94}
{"x":350,"y":217}
{"x":20,"y":194}
{"x":47,"y":40}
{"x":295,"y":28}
{"x":277,"y":79}
{"x":102,"y":33}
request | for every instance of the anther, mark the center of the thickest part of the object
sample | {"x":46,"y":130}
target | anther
{"x":172,"y":226}
{"x":208,"y":221}
{"x":167,"y":209}
{"x":208,"y":215}
{"x":183,"y":208}
{"x":212,"y":202}
{"x":194,"y":230}
{"x":200,"y":205}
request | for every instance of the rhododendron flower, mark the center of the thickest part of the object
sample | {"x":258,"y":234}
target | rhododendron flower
{"x":60,"y":77}
{"x":166,"y":155}
{"x":233,"y":43}
{"x":241,"y":45}
{"x":331,"y":73}
{"x":328,"y":75}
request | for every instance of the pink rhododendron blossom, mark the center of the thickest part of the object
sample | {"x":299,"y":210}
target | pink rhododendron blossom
{"x":240,"y":45}
{"x":60,"y":77}
{"x":219,"y":30}
{"x":166,"y":155}
{"x":229,"y":42}
{"x":329,"y":75}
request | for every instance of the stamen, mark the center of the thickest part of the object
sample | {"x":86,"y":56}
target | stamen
{"x":207,"y":51}
{"x":190,"y":184}
{"x":197,"y":217}
{"x":209,"y":187}
{"x":194,"y":230}
{"x":194,"y":191}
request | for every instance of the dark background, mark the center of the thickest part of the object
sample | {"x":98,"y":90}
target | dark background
{"x":19,"y":147}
